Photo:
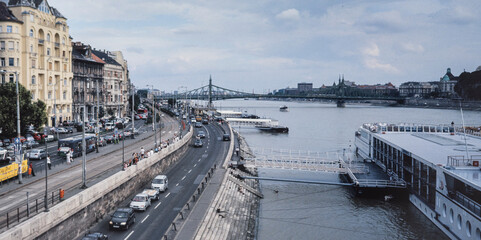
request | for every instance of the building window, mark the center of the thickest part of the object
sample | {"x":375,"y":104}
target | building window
{"x":63,"y":43}
{"x":48,"y":37}
{"x":49,"y":94}
{"x":11,"y":61}
{"x":33,"y":80}
{"x":12,"y":78}
{"x":68,"y":109}
{"x":2,"y":62}
{"x":31,"y":48}
{"x":9,"y":29}
{"x":60,"y":110}
{"x":32,"y":18}
{"x":33,"y":63}
{"x":65,"y":82}
{"x":3,"y":78}
{"x":48,"y":51}
{"x":33,"y":96}
{"x":64,"y":95}
{"x":2,"y":45}
{"x":31,"y":33}
{"x":10,"y":45}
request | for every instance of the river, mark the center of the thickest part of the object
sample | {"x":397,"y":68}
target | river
{"x":308,"y":211}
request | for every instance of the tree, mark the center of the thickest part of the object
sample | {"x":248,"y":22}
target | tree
{"x":469,"y":85}
{"x":31,"y":113}
{"x":101,"y":112}
{"x":110,"y":111}
{"x":136,"y":102}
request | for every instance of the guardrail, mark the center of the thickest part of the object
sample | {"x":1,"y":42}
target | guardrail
{"x":468,"y":203}
{"x":381,"y":183}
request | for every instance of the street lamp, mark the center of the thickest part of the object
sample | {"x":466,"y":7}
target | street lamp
{"x":133,"y":105}
{"x":46,"y":150}
{"x":154,"y":117}
{"x":18,"y":152}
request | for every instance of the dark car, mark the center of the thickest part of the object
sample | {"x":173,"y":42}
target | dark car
{"x":226,"y":137}
{"x":122,"y":218}
{"x":6,"y":142}
{"x":198,"y":143}
{"x":109,"y":139}
{"x":69,"y":129}
{"x":198,"y":124}
{"x":95,"y":236}
{"x":205,"y":121}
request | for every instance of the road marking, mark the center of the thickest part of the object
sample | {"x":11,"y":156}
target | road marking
{"x":195,"y":165}
{"x":145,"y":219}
{"x":128,"y":235}
{"x":182,"y":178}
{"x":198,"y":160}
{"x":176,"y":184}
{"x":167,"y":195}
{"x":189,"y":171}
{"x":157,"y":205}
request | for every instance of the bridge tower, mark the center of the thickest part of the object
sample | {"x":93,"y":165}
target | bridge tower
{"x":210,"y":105}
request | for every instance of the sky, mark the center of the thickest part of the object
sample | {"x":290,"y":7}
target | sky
{"x":262,"y":45}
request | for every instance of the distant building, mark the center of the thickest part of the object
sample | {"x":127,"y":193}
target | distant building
{"x":387,"y":89}
{"x":447,"y":83}
{"x":417,"y":89}
{"x":304,"y":87}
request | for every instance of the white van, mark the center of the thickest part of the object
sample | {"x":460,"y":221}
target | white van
{"x":160,"y":182}
{"x":109,"y":126}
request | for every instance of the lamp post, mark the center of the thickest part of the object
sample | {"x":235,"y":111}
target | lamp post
{"x":84,"y":146}
{"x":18,"y":154}
{"x":133,"y":115}
{"x":97,"y":128}
{"x":46,"y":150}
{"x":153,"y":117}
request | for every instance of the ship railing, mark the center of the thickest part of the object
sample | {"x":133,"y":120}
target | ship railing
{"x":381,"y":183}
{"x":468,"y":203}
{"x":463,"y":161}
{"x":409,"y":127}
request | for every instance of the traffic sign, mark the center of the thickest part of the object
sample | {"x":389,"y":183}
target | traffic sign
{"x":116,"y":131}
{"x":16,"y":140}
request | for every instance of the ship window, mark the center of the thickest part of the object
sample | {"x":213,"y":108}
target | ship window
{"x":451,"y":215}
{"x":459,"y":220}
{"x":444,"y":209}
{"x":468,"y":228}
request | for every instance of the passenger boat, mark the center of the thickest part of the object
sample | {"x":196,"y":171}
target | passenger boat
{"x":284,"y":108}
{"x":440,"y":166}
{"x":274,"y":129}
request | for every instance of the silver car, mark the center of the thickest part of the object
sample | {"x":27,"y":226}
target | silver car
{"x":37,"y":154}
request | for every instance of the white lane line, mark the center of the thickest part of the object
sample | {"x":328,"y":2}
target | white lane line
{"x":145,"y":219}
{"x":176,"y":184}
{"x":182,"y":178}
{"x":128,"y":235}
{"x":167,"y":195}
{"x":157,"y":205}
{"x":189,"y":171}
{"x":198,"y":160}
{"x":195,"y":165}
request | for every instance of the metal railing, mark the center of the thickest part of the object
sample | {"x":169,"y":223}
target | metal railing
{"x":463,"y":161}
{"x":468,"y":203}
{"x":381,"y":183}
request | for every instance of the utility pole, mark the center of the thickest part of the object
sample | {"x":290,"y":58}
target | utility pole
{"x":19,"y":152}
{"x":84,"y":150}
{"x":154,"y":117}
{"x":97,"y":129}
{"x":46,"y":175}
{"x":133,"y":110}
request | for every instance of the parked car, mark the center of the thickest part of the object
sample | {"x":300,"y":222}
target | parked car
{"x":62,"y":130}
{"x":201,"y":134}
{"x":6,"y":142}
{"x":160,"y":182}
{"x":122,"y":218}
{"x":226,"y":137}
{"x":102,"y":142}
{"x":109,"y":138}
{"x":198,"y":143}
{"x":30,"y":144}
{"x":63,"y":151}
{"x":205,"y":121}
{"x":95,"y":236}
{"x":69,"y":129}
{"x":127,"y":134}
{"x":37,"y":154}
{"x":49,"y":138}
{"x":141,"y":202}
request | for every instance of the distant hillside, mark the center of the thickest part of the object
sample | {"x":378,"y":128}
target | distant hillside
{"x":469,"y":85}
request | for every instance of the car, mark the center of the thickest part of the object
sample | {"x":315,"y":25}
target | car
{"x":160,"y":182}
{"x":140,"y":202}
{"x":62,"y":130}
{"x":201,"y":134}
{"x":205,"y":121}
{"x":95,"y":236}
{"x":192,"y":120}
{"x":37,"y":154}
{"x":153,"y":193}
{"x":226,"y":137}
{"x":30,"y":144}
{"x":102,"y":142}
{"x":109,"y":139}
{"x":198,"y":125}
{"x":198,"y":143}
{"x":69,"y":129}
{"x":6,"y":142}
{"x":127,"y":133}
{"x":122,"y":218}
{"x":49,"y":138}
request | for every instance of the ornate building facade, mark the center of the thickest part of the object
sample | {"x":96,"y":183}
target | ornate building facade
{"x":40,"y":45}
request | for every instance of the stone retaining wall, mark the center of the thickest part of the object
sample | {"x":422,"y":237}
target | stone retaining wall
{"x":72,"y":217}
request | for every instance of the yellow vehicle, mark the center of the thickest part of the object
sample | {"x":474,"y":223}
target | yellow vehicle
{"x":198,"y":118}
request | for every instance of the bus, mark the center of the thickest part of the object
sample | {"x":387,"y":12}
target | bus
{"x":75,"y":143}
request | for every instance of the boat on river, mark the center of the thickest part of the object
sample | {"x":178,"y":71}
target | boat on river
{"x":439,"y":163}
{"x":284,"y":108}
{"x":273,"y":129}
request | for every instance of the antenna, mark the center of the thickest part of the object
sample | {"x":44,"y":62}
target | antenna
{"x":464,"y":130}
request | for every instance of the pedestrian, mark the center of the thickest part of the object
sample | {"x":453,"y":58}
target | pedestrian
{"x":49,"y":163}
{"x":142,"y":151}
{"x":68,"y":156}
{"x":31,"y":168}
{"x":71,"y":155}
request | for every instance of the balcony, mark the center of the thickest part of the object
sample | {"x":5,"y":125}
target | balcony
{"x":41,"y":41}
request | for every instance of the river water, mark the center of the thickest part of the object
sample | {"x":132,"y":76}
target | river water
{"x":308,"y":211}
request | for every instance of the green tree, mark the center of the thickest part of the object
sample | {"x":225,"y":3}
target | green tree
{"x":469,"y":85}
{"x":110,"y":111}
{"x":31,"y":113}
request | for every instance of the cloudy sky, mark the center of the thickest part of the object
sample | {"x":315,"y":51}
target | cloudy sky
{"x":264,"y":45}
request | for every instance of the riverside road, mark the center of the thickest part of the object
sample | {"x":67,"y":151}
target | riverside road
{"x":69,"y":177}
{"x":184,"y":178}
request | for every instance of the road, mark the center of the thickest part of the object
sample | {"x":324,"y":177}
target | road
{"x":69,"y":177}
{"x":184,"y":178}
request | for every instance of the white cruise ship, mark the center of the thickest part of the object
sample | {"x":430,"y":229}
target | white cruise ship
{"x":441,"y":167}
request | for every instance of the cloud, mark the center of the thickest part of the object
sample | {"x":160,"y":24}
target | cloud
{"x":458,"y":15}
{"x":372,"y":51}
{"x":412,"y":47}
{"x":289,"y":14}
{"x":383,"y":22}
{"x":374,"y":63}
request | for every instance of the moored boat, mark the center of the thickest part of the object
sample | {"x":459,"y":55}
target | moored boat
{"x":274,"y":129}
{"x":284,"y":108}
